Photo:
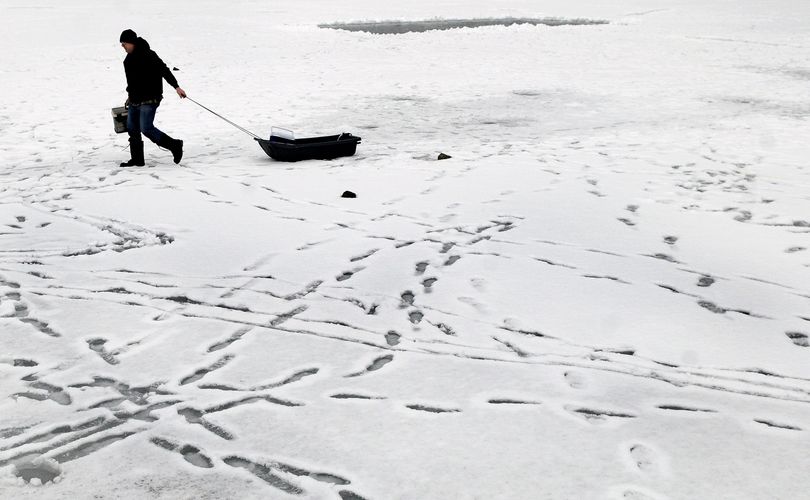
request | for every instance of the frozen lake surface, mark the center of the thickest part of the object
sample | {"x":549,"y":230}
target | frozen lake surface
{"x":603,"y":293}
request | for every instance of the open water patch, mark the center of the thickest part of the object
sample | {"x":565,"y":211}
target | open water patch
{"x":400,"y":27}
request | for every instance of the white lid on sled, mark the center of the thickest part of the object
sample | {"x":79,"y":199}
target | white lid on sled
{"x":282,"y":133}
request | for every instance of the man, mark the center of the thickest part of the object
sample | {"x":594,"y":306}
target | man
{"x":145,"y":74}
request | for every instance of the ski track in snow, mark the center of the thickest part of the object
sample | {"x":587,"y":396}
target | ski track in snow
{"x":570,"y":275}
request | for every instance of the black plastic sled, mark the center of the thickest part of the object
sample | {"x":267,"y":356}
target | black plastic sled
{"x":310,"y":148}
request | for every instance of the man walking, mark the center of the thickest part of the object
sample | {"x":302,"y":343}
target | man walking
{"x":145,"y":74}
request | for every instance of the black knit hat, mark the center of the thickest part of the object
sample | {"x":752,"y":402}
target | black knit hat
{"x":128,"y":36}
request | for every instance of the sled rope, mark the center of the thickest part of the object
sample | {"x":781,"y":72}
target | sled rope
{"x":243,"y":129}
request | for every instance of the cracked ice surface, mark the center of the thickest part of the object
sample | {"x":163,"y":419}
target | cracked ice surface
{"x":602,"y":294}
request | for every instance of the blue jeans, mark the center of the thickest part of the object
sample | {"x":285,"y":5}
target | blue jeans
{"x":139,"y":121}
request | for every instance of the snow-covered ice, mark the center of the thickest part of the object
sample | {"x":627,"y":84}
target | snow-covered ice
{"x":602,"y":294}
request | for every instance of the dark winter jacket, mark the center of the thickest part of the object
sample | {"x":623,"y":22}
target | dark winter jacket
{"x":145,"y":73}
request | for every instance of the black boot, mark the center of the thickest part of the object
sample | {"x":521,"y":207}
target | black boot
{"x":173,"y":145}
{"x":136,"y":150}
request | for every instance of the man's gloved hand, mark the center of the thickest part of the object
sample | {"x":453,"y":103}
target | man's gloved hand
{"x":126,"y":104}
{"x":181,"y":92}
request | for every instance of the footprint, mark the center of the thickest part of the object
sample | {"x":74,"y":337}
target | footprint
{"x":428,"y":283}
{"x":447,"y":246}
{"x":597,"y":416}
{"x":777,"y":425}
{"x":798,"y":338}
{"x":282,"y":318}
{"x":97,"y":345}
{"x":295,"y":377}
{"x":348,"y":274}
{"x":478,"y":306}
{"x":54,"y":393}
{"x":233,"y":338}
{"x":349,"y":495}
{"x":664,"y":257}
{"x":204,"y":371}
{"x":21,"y":362}
{"x":506,"y":226}
{"x":344,"y":395}
{"x":685,"y":408}
{"x":421,"y":267}
{"x":21,"y":312}
{"x":432,"y":409}
{"x":452,"y":260}
{"x":323,"y":477}
{"x":365,"y":255}
{"x":510,"y":401}
{"x":711,"y":306}
{"x":392,"y":338}
{"x":744,"y":216}
{"x":264,"y":473}
{"x":575,"y":380}
{"x":374,"y":366}
{"x":521,"y":353}
{"x":191,"y":454}
{"x":633,"y":494}
{"x":643,"y":457}
{"x":479,"y":239}
{"x":445,"y":329}
{"x":407,"y":299}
